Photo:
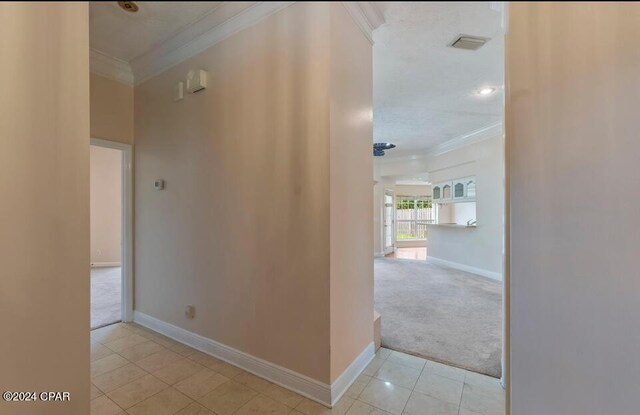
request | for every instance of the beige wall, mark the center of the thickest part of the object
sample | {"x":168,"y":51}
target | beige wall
{"x":351,"y":192}
{"x":106,"y":205}
{"x":44,"y":183}
{"x":242,"y":229}
{"x":572,"y":129}
{"x":111,"y":110}
{"x":378,"y":201}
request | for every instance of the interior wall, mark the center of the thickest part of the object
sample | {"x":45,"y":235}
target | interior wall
{"x":44,"y":183}
{"x":572,"y":116}
{"x":351,"y":191}
{"x":106,"y":205}
{"x":480,"y":247}
{"x":380,"y":184}
{"x":111,"y":110}
{"x":378,"y":206}
{"x":412,"y":190}
{"x":241,"y":229}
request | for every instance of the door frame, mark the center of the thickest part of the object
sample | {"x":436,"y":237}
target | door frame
{"x":126,"y":302}
{"x":388,"y":250}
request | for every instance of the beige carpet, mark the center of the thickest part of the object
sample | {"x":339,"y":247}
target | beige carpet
{"x":440,"y":313}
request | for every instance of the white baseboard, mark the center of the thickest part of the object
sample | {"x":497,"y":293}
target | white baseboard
{"x":351,"y":373}
{"x":105,"y":264}
{"x":462,"y":267}
{"x":378,"y":254}
{"x":315,"y":390}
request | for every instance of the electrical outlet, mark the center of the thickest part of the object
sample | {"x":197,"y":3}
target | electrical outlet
{"x":190,"y":312}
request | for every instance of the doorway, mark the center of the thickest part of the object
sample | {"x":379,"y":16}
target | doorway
{"x":111,"y":233}
{"x":440,"y":294}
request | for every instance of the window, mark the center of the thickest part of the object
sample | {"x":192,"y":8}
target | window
{"x":412,"y":215}
{"x":458,"y":190}
{"x":446,"y":191}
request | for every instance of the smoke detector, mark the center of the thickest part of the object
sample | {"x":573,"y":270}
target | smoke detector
{"x":468,"y":42}
{"x":128,"y":6}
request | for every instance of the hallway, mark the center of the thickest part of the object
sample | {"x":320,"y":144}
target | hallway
{"x":106,"y":289}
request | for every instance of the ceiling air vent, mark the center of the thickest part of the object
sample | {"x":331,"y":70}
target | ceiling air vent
{"x":469,"y":42}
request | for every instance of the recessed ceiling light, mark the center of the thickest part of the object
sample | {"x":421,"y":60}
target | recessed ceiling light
{"x":128,"y":6}
{"x":486,"y":91}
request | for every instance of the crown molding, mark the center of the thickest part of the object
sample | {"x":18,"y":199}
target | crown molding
{"x":501,"y":7}
{"x":113,"y":68}
{"x":366,"y":15}
{"x":456,"y":143}
{"x":222,"y":22}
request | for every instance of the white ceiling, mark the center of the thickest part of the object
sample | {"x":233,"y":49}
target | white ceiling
{"x":424,"y":91}
{"x":125,"y":35}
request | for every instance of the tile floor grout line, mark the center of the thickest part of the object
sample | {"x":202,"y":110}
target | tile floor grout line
{"x":157,"y":393}
{"x":462,"y":393}
{"x":424,"y":370}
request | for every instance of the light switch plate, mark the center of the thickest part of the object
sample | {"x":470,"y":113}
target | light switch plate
{"x":178,"y":91}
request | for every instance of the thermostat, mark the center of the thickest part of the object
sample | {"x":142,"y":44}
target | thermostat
{"x":158,"y":184}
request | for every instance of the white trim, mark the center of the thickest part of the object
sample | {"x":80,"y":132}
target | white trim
{"x":502,"y":8}
{"x":105,"y":264}
{"x":467,"y":268}
{"x":225,"y":20}
{"x":301,"y":384}
{"x":127,"y":223}
{"x":366,"y":16}
{"x":340,"y":386}
{"x":113,"y":68}
{"x":378,"y":254}
{"x":456,"y":143}
{"x":222,"y":22}
{"x":412,"y":183}
{"x":311,"y":388}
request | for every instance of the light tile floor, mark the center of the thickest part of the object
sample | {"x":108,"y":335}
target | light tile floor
{"x":137,"y":371}
{"x":409,"y":253}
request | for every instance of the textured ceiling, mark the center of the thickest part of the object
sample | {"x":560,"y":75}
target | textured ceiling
{"x":125,"y":35}
{"x":424,"y":91}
